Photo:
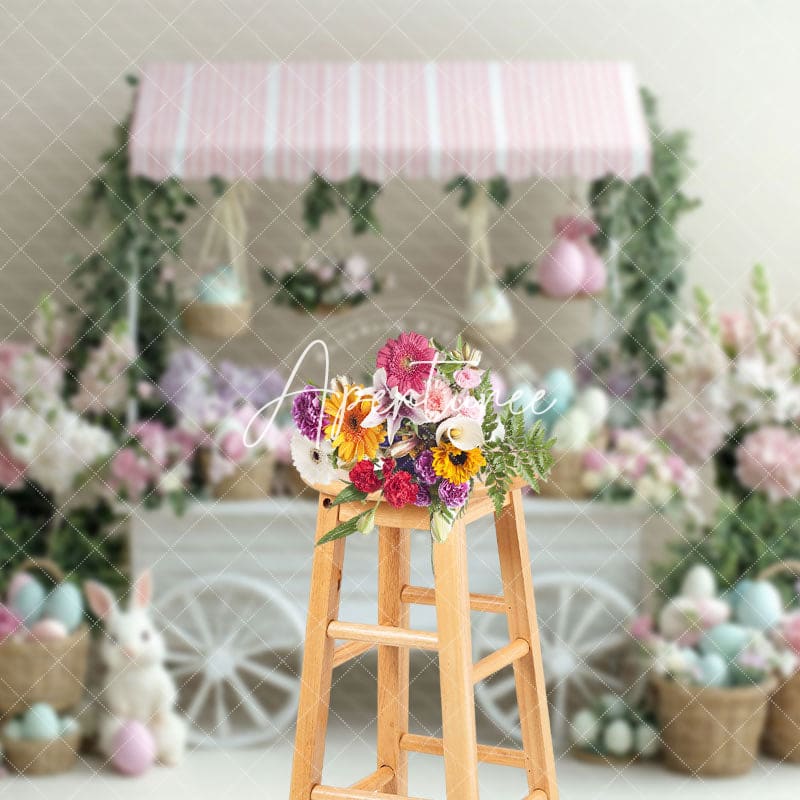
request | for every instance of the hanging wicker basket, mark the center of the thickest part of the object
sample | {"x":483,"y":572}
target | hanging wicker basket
{"x":782,"y":732}
{"x":566,"y":477}
{"x":709,"y":731}
{"x":33,"y":671}
{"x":215,"y":320}
{"x":50,"y":757}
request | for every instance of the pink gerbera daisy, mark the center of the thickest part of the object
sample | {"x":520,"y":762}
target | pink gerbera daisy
{"x":408,"y":361}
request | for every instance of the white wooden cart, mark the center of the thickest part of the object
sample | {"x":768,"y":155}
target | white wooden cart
{"x":232,"y":584}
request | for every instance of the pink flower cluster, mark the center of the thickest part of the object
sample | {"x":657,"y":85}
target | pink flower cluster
{"x":768,"y":460}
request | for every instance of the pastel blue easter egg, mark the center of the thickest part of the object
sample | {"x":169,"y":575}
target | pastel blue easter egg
{"x":28,"y":602}
{"x":713,"y":669}
{"x":40,"y":723}
{"x":728,"y":640}
{"x":65,"y":605}
{"x":560,"y":387}
{"x":13,"y":729}
{"x":760,"y":605}
{"x":734,"y":594}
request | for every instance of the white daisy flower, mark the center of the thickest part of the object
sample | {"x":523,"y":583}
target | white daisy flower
{"x":313,"y":463}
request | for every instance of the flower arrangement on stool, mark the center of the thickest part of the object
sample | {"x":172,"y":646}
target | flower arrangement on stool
{"x":423,"y":434}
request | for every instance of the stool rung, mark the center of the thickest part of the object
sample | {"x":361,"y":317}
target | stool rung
{"x":347,"y":652}
{"x":494,"y":662}
{"x":419,"y":595}
{"x":332,"y":793}
{"x":376,"y":781}
{"x":383,"y":635}
{"x":430,"y":745}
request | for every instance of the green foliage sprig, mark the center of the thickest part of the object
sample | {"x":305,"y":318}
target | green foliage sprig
{"x":641,"y":217}
{"x":356,"y":195}
{"x":497,"y":188}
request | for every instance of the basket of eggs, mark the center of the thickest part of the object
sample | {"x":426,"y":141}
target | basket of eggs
{"x":40,"y":742}
{"x":44,"y":640}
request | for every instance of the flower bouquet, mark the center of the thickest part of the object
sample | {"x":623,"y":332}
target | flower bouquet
{"x":424,"y":433}
{"x":322,"y":284}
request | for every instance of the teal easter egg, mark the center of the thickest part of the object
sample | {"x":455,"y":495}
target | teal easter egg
{"x":759,"y":606}
{"x":28,"y":602}
{"x":713,"y":669}
{"x":13,"y":729}
{"x":727,"y":640}
{"x":560,"y":388}
{"x":65,"y":605}
{"x":40,"y":723}
{"x":734,"y":594}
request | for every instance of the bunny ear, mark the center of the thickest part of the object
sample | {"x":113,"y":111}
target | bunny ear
{"x":101,"y":601}
{"x":142,"y":590}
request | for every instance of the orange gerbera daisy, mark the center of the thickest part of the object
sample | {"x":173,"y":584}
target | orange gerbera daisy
{"x":347,"y":410}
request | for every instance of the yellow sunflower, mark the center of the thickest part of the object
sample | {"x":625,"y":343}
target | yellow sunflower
{"x":347,"y":410}
{"x":457,"y":466}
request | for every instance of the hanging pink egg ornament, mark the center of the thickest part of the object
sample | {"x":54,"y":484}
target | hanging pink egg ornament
{"x":561,"y":269}
{"x":133,"y":749}
{"x":594,"y":268}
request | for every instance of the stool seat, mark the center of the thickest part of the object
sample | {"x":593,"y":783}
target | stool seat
{"x":452,"y":640}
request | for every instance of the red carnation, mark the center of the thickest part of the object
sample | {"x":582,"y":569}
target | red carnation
{"x":387,"y":467}
{"x":399,"y":489}
{"x":364,"y":478}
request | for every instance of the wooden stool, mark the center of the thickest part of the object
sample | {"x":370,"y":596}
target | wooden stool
{"x":453,"y":642}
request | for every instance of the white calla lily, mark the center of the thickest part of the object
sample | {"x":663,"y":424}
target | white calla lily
{"x":463,"y":432}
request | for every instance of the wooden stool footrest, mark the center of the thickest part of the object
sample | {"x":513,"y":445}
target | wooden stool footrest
{"x":430,"y":745}
{"x":332,"y":793}
{"x":383,"y":635}
{"x":501,"y":658}
{"x":419,"y":595}
{"x":347,"y":652}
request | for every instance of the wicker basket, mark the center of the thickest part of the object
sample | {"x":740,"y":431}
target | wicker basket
{"x":708,"y":731}
{"x":215,"y":320}
{"x":51,"y":672}
{"x":253,"y":482}
{"x":49,"y":757}
{"x":782,"y":733}
{"x":566,"y":477}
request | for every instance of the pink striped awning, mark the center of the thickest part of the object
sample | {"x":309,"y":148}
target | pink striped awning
{"x":437,"y":120}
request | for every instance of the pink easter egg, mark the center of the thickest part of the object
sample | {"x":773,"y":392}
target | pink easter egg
{"x":133,"y":749}
{"x":561,"y":269}
{"x":19,"y":580}
{"x":594,"y":275}
{"x":47,"y":630}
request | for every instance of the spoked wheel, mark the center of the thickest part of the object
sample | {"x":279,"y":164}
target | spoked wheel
{"x":582,"y":627}
{"x":234,"y":649}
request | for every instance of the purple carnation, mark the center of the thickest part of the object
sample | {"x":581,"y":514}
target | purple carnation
{"x":453,"y":495}
{"x":423,"y":497}
{"x":423,"y":466}
{"x":307,"y":411}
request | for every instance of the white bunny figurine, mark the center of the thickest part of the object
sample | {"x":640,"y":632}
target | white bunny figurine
{"x":138,"y":686}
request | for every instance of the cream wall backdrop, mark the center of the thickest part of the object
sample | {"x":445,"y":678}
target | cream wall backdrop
{"x":726,"y":69}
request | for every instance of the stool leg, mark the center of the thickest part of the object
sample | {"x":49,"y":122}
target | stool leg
{"x":455,"y":666}
{"x":512,"y":545}
{"x":394,"y":572}
{"x":315,"y":685}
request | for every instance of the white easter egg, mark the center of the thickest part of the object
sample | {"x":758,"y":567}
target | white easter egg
{"x":572,"y":431}
{"x":699,"y":582}
{"x":646,"y":740}
{"x":585,"y":727}
{"x":40,"y":723}
{"x":618,"y":738}
{"x":19,"y":580}
{"x":594,"y":401}
{"x":490,"y":311}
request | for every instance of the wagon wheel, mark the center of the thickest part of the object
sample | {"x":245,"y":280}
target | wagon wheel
{"x":581,"y":626}
{"x":234,"y":649}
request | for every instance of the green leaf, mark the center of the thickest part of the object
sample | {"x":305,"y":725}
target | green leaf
{"x":344,"y":528}
{"x":348,"y":495}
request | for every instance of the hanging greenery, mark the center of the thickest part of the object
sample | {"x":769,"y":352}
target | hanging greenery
{"x":138,"y":221}
{"x":641,"y":219}
{"x":356,"y":195}
{"x":497,"y":188}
